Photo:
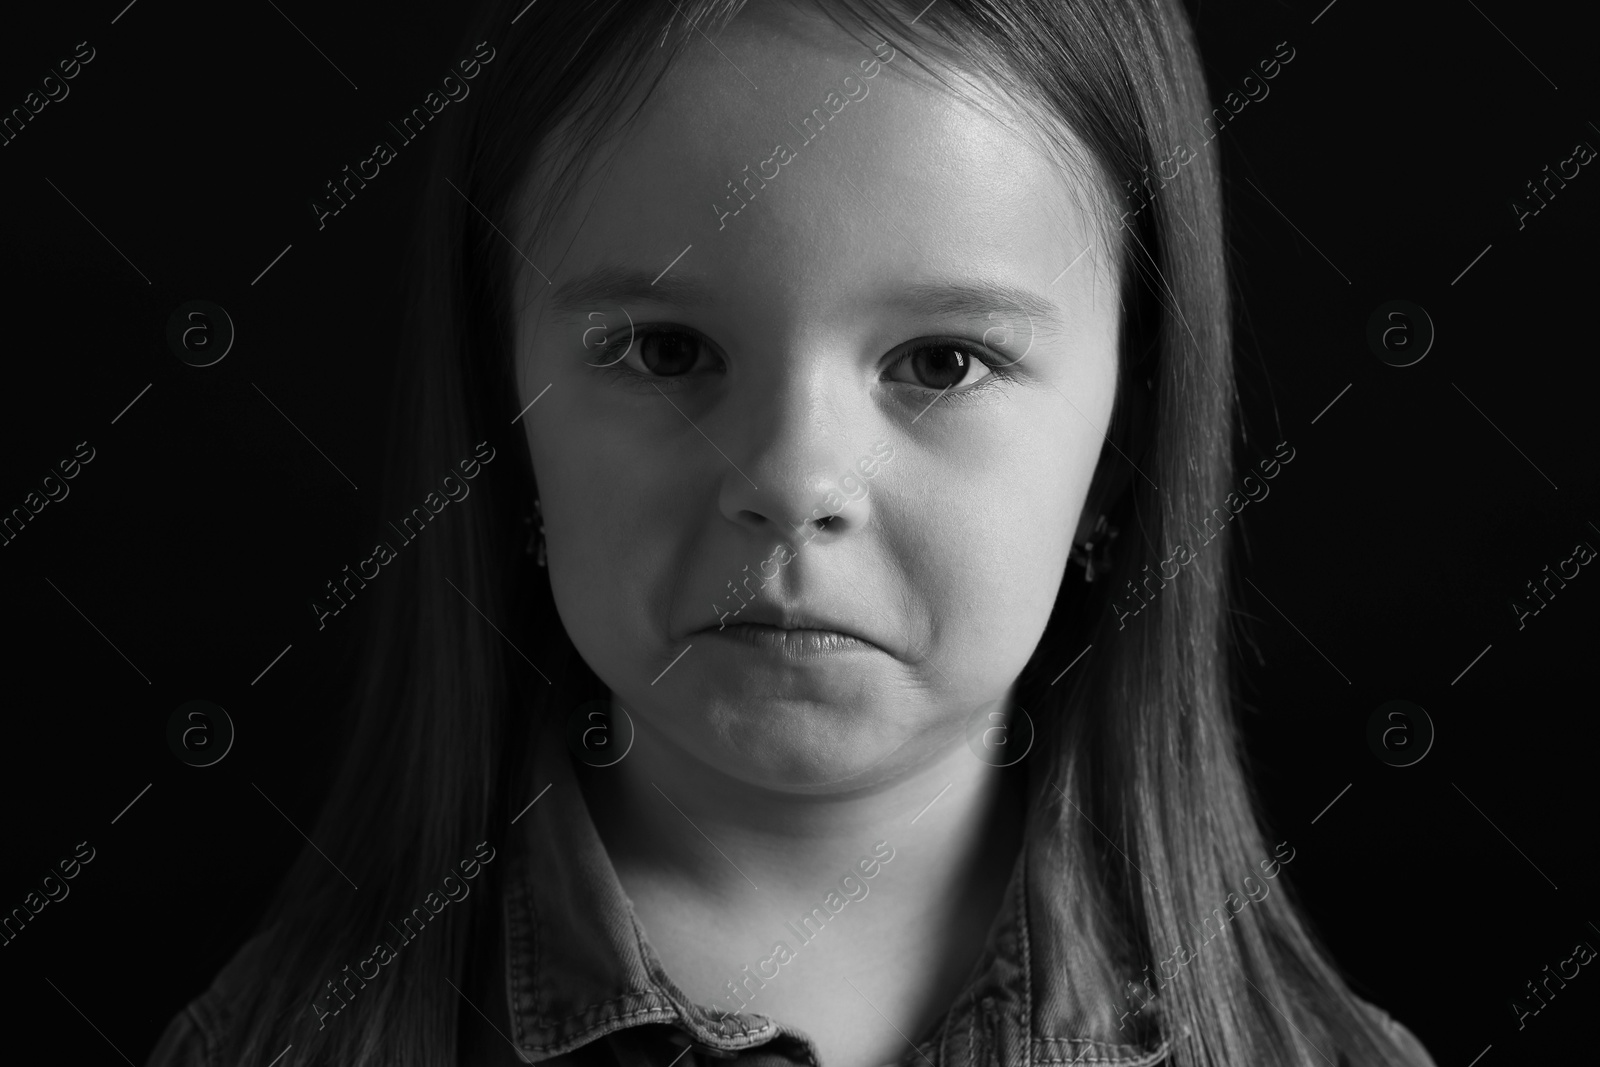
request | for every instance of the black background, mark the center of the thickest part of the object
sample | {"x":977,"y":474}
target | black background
{"x":1415,"y":509}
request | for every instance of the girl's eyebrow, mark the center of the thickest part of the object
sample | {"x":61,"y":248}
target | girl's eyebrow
{"x":979,"y":300}
{"x":609,"y":284}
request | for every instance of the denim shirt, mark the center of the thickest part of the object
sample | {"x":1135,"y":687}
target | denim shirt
{"x":580,"y":965}
{"x":575,"y":982}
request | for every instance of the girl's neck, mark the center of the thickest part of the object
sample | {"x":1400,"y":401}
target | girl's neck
{"x":661,"y":811}
{"x":720,"y":872}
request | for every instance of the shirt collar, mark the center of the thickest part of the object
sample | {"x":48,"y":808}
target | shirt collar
{"x":579,"y":965}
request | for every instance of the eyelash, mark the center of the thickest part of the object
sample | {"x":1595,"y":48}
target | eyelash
{"x":614,"y":364}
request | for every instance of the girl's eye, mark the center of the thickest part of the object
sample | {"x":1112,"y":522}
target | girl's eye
{"x":942,"y":365}
{"x":669,"y":354}
{"x":657,"y":353}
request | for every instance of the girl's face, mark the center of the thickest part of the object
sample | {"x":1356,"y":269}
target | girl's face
{"x":908,"y":330}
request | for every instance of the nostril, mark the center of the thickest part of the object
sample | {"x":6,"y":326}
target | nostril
{"x":826,"y":521}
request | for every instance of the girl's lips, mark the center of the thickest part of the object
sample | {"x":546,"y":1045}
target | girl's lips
{"x":798,"y":644}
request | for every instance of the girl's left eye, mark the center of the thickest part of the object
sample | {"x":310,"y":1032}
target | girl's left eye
{"x":941,"y":365}
{"x":656,"y":353}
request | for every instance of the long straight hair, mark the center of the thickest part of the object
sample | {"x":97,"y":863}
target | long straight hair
{"x":465,"y":651}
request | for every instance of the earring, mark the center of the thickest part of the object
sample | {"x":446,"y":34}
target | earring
{"x":535,"y":536}
{"x":1094,"y":551}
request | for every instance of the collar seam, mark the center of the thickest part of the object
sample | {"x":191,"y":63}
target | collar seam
{"x":525,"y":942}
{"x":1102,"y":1052}
{"x":516,"y":938}
{"x":691,"y":1015}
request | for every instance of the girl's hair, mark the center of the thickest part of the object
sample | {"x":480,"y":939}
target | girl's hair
{"x":1153,"y":812}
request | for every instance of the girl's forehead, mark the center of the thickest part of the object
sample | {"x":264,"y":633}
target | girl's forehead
{"x":792,"y":143}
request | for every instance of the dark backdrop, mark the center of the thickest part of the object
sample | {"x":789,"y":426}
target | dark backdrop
{"x":1382,"y":566}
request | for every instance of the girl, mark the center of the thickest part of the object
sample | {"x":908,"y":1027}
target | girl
{"x":775,"y":697}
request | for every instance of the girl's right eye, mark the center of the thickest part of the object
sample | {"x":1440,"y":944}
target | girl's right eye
{"x":661,"y":352}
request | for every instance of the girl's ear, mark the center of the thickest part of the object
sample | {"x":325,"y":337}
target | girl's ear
{"x":1130,"y":424}
{"x":1086,"y":522}
{"x":1111,"y":480}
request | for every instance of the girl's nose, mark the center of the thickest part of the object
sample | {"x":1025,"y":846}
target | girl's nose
{"x":798,"y":477}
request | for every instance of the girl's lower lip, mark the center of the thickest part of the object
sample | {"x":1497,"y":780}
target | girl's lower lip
{"x":792,"y":643}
